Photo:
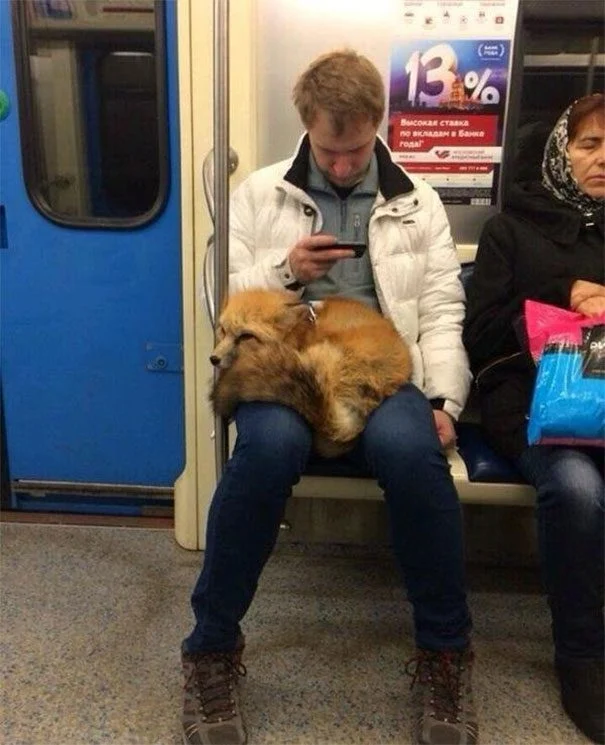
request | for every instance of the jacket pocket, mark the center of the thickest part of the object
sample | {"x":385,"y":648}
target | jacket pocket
{"x":499,"y":368}
{"x":504,"y":407}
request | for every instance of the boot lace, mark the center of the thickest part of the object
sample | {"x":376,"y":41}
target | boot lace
{"x":213,"y":676}
{"x":442,"y":673}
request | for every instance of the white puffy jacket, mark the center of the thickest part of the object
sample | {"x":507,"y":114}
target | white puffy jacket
{"x":414,"y":260}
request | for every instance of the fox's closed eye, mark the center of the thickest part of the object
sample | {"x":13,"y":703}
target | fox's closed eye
{"x":245,"y":335}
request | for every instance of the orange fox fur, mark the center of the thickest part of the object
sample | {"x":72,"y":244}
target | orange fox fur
{"x":334,"y":366}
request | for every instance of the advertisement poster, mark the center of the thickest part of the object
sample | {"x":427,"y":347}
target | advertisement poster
{"x":448,"y":88}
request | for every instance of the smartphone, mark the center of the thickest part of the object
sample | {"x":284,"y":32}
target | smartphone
{"x":357,"y":246}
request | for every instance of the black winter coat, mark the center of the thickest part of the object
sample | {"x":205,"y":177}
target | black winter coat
{"x":537,"y":248}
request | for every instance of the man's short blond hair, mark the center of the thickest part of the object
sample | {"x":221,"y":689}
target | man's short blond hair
{"x":344,"y":84}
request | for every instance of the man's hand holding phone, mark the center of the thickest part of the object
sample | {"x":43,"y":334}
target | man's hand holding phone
{"x":358,"y":247}
{"x":314,"y":255}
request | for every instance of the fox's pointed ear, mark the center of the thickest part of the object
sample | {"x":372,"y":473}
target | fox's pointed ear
{"x":294,"y":313}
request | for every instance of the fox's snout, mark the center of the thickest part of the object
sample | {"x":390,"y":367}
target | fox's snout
{"x":223,"y":353}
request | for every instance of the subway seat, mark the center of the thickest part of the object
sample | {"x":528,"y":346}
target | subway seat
{"x":480,"y":475}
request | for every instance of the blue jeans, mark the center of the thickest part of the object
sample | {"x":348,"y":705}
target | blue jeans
{"x":401,"y":449}
{"x":570,"y":491}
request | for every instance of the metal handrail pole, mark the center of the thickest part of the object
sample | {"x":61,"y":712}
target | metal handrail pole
{"x":208,"y":184}
{"x":221,"y":192}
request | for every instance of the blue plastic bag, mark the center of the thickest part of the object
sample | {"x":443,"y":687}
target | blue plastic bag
{"x":568,"y":404}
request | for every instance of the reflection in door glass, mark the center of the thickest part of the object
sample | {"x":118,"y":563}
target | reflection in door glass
{"x":93,"y":118}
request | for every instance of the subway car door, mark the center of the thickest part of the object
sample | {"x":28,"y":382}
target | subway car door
{"x":91,"y":321}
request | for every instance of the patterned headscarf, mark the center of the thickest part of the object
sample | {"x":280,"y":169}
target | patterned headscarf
{"x":557,"y":174}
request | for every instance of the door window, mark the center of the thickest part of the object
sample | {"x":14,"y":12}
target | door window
{"x":91,"y":89}
{"x":562,"y":60}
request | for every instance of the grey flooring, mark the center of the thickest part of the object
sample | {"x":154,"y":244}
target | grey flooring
{"x":92,"y":619}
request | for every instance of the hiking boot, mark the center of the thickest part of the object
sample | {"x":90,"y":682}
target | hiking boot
{"x":211,"y":710}
{"x":582,"y":694}
{"x":444,"y":713}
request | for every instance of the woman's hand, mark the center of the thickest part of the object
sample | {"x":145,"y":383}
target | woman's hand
{"x":583,"y":291}
{"x":592,"y":306}
{"x":310,"y":258}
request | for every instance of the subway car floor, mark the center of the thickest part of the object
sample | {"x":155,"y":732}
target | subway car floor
{"x":93,"y":616}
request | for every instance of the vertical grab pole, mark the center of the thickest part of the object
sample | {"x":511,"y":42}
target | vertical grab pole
{"x":221,"y":193}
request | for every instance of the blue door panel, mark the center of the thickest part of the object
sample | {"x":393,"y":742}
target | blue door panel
{"x":80,"y":308}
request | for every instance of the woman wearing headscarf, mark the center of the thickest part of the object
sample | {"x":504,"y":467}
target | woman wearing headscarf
{"x":548,"y":245}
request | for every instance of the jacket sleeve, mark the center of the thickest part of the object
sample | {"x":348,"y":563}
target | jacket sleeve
{"x":492,"y":304}
{"x":495,"y":299}
{"x":245,"y":269}
{"x":440,"y":317}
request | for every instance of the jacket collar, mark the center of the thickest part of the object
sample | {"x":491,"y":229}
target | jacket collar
{"x":392,"y":180}
{"x":554,"y":219}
